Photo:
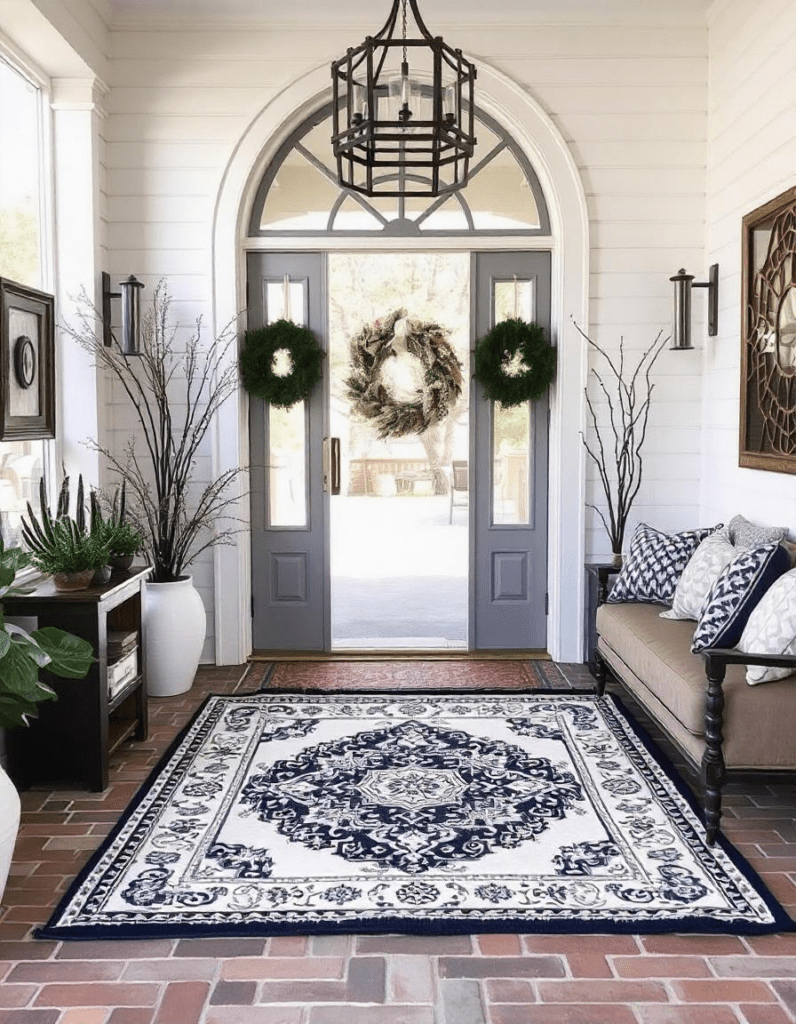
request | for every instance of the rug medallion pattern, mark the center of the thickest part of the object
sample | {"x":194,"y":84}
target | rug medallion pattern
{"x":419,"y":813}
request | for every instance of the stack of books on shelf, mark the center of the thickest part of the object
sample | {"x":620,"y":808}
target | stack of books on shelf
{"x":122,"y":660}
{"x":121,"y":643}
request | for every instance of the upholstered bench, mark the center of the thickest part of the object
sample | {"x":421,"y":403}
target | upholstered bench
{"x":703,"y":700}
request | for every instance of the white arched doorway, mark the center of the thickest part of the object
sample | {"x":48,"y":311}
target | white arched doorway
{"x":540,"y":140}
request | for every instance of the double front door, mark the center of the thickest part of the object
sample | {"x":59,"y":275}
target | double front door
{"x":427,"y":541}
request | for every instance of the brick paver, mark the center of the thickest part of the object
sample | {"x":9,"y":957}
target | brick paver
{"x":379,"y":979}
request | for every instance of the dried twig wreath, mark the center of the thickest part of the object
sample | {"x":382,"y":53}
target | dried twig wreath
{"x":372,"y":399}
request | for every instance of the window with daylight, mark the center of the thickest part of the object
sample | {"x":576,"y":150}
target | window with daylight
{"x":299,"y":193}
{"x":22,"y":199}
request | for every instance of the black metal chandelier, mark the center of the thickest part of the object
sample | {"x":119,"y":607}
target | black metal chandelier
{"x":403,"y":127}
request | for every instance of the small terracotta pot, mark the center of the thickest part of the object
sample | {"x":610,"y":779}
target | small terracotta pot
{"x":73,"y":580}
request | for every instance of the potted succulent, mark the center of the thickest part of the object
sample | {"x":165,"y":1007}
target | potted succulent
{"x":176,"y":385}
{"x":123,"y":539}
{"x":22,"y":654}
{"x":61,"y":546}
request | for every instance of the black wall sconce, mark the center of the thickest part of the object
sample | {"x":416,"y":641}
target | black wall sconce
{"x":130,"y":295}
{"x":683,"y":283}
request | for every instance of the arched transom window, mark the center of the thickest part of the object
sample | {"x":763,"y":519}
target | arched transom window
{"x":299,"y":194}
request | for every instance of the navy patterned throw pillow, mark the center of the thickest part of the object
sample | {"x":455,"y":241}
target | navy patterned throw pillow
{"x":655,"y":563}
{"x":735,"y":593}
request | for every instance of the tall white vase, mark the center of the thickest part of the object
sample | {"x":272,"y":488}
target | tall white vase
{"x":9,"y":826}
{"x":175,"y":633}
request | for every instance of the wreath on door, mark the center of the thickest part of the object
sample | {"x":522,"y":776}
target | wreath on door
{"x":280,"y":363}
{"x":514,"y":363}
{"x":370,"y":395}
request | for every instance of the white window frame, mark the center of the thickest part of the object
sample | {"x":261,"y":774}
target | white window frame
{"x":20,"y":63}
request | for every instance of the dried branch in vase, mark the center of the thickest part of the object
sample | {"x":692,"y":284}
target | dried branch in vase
{"x":615,"y":447}
{"x":175,"y":396}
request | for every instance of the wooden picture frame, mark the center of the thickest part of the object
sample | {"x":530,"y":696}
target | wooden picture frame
{"x":27,"y":363}
{"x":768,"y":337}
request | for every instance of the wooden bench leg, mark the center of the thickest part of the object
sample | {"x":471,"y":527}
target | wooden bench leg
{"x":713,"y":769}
{"x":601,"y":674}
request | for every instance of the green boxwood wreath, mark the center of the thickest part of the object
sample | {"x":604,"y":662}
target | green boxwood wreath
{"x":496,"y":349}
{"x":261,"y":344}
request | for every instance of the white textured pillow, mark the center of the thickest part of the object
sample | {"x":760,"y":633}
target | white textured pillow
{"x":703,"y":569}
{"x":771,"y":629}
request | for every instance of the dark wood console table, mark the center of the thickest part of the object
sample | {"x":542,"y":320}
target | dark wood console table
{"x":74,"y":736}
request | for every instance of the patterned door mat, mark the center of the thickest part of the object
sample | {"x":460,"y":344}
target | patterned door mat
{"x":429,"y":813}
{"x":334,"y":676}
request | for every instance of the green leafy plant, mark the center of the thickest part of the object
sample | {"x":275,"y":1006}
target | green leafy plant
{"x":123,"y":539}
{"x":22,"y":654}
{"x":67,"y":550}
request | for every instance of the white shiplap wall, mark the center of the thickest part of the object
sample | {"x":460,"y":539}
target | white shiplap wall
{"x":628,"y":91}
{"x":751,"y":159}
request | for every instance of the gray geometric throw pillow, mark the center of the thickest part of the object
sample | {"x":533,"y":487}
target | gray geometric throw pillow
{"x":744,"y":534}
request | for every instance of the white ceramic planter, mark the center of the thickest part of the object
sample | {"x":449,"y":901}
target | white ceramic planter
{"x":175,"y":633}
{"x":9,"y":826}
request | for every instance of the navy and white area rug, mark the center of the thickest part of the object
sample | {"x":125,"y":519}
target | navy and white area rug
{"x":424,"y":813}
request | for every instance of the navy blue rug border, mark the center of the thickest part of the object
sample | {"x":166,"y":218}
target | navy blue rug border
{"x":781,"y":923}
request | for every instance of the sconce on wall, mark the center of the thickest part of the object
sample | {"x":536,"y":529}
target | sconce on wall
{"x":683,"y":283}
{"x":130,"y":295}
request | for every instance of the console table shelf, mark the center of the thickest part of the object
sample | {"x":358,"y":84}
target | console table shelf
{"x":74,"y":736}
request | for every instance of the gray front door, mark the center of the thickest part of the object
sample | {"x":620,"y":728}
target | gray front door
{"x":509,"y":519}
{"x":289,"y":586}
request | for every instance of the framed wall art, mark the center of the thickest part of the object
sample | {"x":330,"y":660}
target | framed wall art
{"x":768,"y":337}
{"x":27,"y":363}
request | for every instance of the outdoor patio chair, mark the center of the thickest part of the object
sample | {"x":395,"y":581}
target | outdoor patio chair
{"x":459,"y":481}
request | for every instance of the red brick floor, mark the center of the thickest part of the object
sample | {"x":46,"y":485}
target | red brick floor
{"x":486,"y":979}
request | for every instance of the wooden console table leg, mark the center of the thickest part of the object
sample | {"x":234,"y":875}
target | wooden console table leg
{"x":713,"y":769}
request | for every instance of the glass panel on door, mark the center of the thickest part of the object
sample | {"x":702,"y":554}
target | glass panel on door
{"x":286,"y":299}
{"x":512,"y":440}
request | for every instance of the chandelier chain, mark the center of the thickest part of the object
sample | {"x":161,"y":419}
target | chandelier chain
{"x":404,"y":26}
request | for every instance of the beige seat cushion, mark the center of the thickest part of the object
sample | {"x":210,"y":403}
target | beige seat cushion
{"x":759,"y":721}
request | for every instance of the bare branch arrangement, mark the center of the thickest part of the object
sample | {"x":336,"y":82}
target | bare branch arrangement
{"x":616,"y":449}
{"x":175,"y":395}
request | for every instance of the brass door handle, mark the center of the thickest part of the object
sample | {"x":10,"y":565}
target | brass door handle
{"x":331,"y":465}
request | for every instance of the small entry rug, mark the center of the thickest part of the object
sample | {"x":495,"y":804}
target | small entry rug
{"x":418,"y":674}
{"x":428,"y":813}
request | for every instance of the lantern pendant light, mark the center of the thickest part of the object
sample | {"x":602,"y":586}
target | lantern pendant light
{"x":403,"y":112}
